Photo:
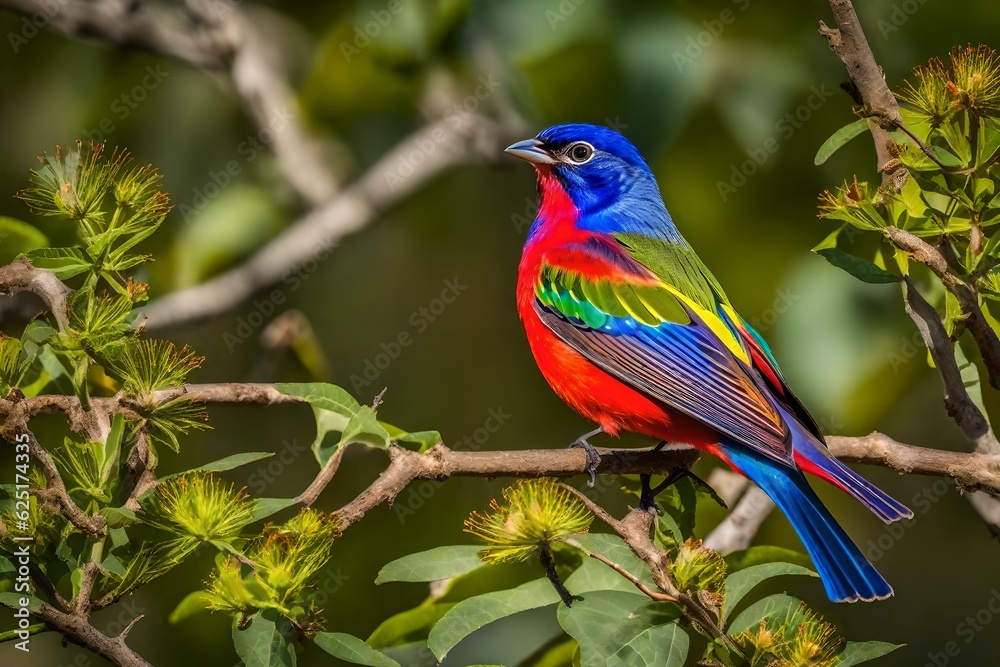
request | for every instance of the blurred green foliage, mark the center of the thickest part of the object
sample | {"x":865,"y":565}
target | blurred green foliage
{"x":846,"y":347}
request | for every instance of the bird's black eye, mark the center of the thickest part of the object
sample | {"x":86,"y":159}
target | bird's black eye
{"x":580,"y":152}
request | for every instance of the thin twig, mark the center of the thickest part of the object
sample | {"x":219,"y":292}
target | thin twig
{"x":643,"y":588}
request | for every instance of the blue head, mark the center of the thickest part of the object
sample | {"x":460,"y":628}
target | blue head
{"x":604,"y":175}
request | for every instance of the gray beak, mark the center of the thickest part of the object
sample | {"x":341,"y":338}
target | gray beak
{"x":531,"y":150}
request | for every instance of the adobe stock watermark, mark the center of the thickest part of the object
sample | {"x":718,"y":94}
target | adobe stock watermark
{"x":909,"y":348}
{"x":262,"y":308}
{"x":784,"y":299}
{"x":562,"y":13}
{"x":900,"y":14}
{"x":698,"y":43}
{"x":275,"y":466}
{"x":967,"y":630}
{"x":247,"y":150}
{"x":419,"y":321}
{"x":365,"y":32}
{"x":418,"y":494}
{"x":123,"y":105}
{"x":32,"y":25}
{"x":784,"y":129}
{"x":427,"y":144}
{"x":921,"y":503}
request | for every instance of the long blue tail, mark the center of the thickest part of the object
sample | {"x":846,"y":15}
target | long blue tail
{"x":846,"y":573}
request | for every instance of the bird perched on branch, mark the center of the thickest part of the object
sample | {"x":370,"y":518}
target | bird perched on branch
{"x":632,"y":331}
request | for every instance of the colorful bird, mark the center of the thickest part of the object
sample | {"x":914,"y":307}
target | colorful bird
{"x":632,"y":331}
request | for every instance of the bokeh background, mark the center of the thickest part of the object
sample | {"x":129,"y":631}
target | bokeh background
{"x":697,"y":104}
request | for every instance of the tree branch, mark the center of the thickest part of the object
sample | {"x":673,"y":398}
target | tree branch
{"x":635,"y":529}
{"x":22,"y":276}
{"x":740,"y":526}
{"x":848,"y":42}
{"x":204,"y":36}
{"x":209,"y":35}
{"x":78,"y":630}
{"x":974,"y":471}
{"x":957,"y":401}
{"x":55,"y":489}
{"x":986,"y":339}
{"x":453,"y":141}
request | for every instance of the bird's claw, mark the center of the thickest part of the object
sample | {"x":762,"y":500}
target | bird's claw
{"x":593,"y":458}
{"x":647,"y":497}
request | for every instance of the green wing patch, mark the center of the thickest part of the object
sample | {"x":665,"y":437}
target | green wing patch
{"x":593,"y":302}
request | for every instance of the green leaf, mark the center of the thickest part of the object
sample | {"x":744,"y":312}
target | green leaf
{"x":112,"y":448}
{"x":738,"y":584}
{"x":193,"y":603}
{"x":18,"y":237}
{"x":13,"y":601}
{"x":679,"y":503}
{"x":353,"y":650}
{"x":119,"y":537}
{"x":859,"y":268}
{"x":739,"y":560}
{"x":473,"y":613}
{"x":234,"y":461}
{"x":620,"y":628}
{"x":114,"y":566}
{"x":265,"y":642}
{"x":946,"y":157}
{"x":839,"y":139}
{"x":62,"y":262}
{"x":426,"y":439}
{"x":334,"y":410}
{"x":781,"y":608}
{"x":970,"y":378}
{"x":593,"y":575}
{"x":952,"y":313}
{"x":364,"y":427}
{"x":408,"y":626}
{"x":322,"y":395}
{"x":432,"y":565}
{"x":118,"y":516}
{"x":855,"y":653}
{"x":265,"y":507}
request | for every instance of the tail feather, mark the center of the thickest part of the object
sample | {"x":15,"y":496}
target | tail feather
{"x":815,"y":459}
{"x":846,"y":573}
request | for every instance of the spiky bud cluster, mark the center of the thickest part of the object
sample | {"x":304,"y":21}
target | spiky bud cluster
{"x":534,"y":515}
{"x":803,"y":639}
{"x":199,"y":505}
{"x":701,"y":570}
{"x":282,"y":564}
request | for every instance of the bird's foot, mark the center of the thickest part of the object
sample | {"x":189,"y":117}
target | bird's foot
{"x":647,"y":497}
{"x":593,"y":458}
